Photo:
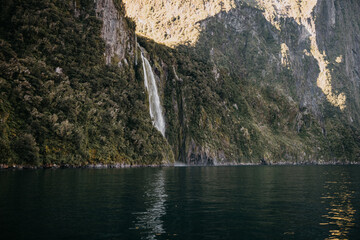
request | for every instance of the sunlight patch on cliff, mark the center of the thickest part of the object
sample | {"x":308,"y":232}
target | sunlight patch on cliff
{"x":173,"y":22}
{"x":339,"y":59}
{"x":324,"y":78}
{"x":177,"y":22}
{"x":301,"y":12}
{"x":285,"y":58}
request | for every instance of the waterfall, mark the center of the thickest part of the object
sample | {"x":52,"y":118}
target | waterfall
{"x":154,"y":99}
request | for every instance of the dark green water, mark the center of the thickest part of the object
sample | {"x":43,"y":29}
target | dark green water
{"x":255,"y":202}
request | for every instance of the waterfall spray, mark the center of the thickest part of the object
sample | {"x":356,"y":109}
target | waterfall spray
{"x":154,"y":99}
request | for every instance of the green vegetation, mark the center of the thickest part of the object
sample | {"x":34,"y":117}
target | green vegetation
{"x":224,"y":100}
{"x":234,"y":105}
{"x":59,"y":102}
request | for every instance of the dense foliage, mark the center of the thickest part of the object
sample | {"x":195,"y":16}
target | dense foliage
{"x":59,"y":102}
{"x":226,"y":98}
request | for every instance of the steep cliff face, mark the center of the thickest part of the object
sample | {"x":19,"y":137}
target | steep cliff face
{"x":323,"y":23}
{"x":70,"y":91}
{"x":332,"y":29}
{"x":337,"y":27}
{"x":279,"y":54}
{"x":300,"y":28}
{"x":119,"y":43}
{"x":173,"y":22}
{"x":239,"y":81}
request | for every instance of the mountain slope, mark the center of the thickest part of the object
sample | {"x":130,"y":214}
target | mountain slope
{"x":298,"y":102}
{"x":60,"y":102}
{"x":239,"y":82}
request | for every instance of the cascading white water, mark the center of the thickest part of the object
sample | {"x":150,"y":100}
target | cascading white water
{"x":154,"y":99}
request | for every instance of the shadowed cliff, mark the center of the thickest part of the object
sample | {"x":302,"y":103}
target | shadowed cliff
{"x":73,"y":93}
{"x":241,"y":103}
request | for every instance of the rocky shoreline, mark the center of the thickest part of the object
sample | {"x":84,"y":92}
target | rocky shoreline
{"x":65,"y":166}
{"x":118,"y":165}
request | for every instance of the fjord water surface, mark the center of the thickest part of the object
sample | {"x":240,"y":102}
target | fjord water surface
{"x":247,"y":202}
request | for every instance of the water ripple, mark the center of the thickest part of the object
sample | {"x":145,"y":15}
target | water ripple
{"x":340,"y":217}
{"x":149,"y":221}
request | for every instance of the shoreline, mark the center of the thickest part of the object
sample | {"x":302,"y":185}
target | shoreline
{"x":119,"y":166}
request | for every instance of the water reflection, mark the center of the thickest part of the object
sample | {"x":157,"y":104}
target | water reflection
{"x":341,"y":213}
{"x":149,"y":222}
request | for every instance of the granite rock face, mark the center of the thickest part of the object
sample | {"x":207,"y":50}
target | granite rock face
{"x":306,"y":52}
{"x":173,"y":22}
{"x":239,"y":81}
{"x":308,"y":30}
{"x":327,"y":32}
{"x":115,"y":32}
{"x":338,"y":35}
